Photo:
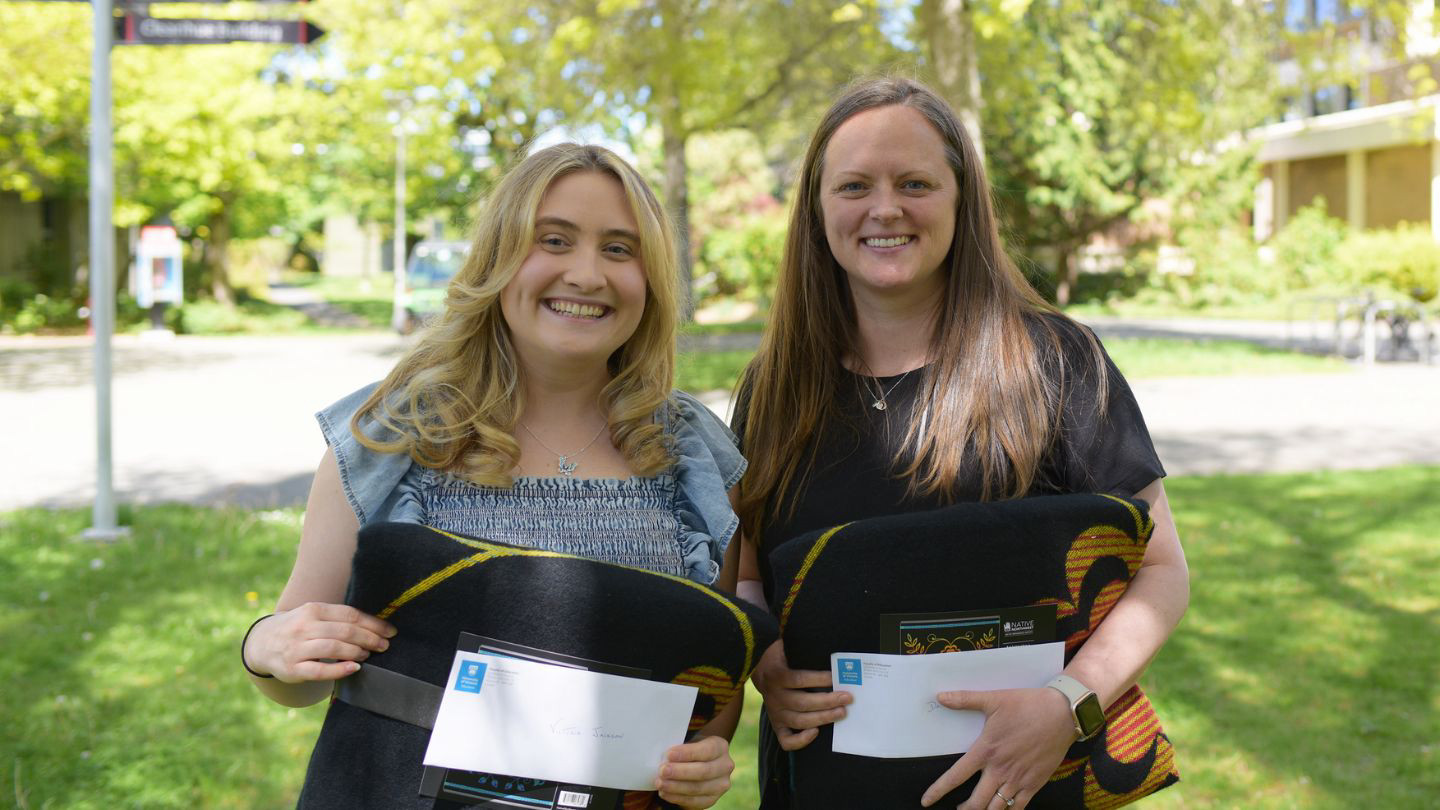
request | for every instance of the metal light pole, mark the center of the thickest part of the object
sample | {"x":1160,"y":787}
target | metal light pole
{"x":102,"y":268}
{"x":397,"y":313}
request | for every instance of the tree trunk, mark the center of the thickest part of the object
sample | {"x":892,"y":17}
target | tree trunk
{"x":677,"y":197}
{"x":217,"y":254}
{"x":1065,"y":275}
{"x":954,"y":64}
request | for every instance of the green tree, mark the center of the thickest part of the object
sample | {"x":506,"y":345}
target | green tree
{"x":1093,"y":109}
{"x":692,"y":66}
{"x":947,"y":32}
{"x":44,"y":98}
{"x":197,"y":132}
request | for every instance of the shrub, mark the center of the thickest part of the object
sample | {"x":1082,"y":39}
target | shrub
{"x":23,"y":310}
{"x":1404,"y":261}
{"x":1302,"y":254}
{"x":744,"y":260}
{"x":1228,"y":271}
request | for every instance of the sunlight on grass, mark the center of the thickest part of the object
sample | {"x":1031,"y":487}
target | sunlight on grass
{"x":1137,"y":358}
{"x":710,"y":371}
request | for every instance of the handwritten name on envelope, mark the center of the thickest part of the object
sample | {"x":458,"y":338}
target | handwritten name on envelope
{"x":540,"y":721}
{"x":895,"y":713}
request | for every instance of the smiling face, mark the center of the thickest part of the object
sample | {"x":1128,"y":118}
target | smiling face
{"x":580,"y":292}
{"x":888,"y":198}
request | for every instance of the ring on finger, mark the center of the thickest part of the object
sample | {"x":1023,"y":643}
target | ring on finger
{"x":1001,"y":797}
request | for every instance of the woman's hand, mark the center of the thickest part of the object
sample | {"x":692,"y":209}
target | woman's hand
{"x":1027,"y":732}
{"x":796,"y":715}
{"x":697,"y":773}
{"x":316,"y":641}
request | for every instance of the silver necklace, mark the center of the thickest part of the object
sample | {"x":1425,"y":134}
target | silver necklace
{"x":565,"y":463}
{"x":879,"y":402}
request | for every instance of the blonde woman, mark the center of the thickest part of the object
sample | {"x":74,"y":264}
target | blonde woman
{"x":908,"y":365}
{"x":538,"y":411}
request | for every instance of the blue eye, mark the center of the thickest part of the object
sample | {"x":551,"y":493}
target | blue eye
{"x":852,"y":186}
{"x":619,"y":249}
{"x":915,"y":185}
{"x":553,"y":241}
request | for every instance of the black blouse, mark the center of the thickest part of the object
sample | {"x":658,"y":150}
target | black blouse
{"x":854,"y":475}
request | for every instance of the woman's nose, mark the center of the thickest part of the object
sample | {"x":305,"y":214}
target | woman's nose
{"x":885,"y":209}
{"x":584,"y":271}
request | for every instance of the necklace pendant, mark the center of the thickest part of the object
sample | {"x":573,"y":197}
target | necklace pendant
{"x":878,"y":404}
{"x":566,"y":466}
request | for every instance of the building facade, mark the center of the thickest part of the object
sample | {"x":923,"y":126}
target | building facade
{"x":1368,"y":147}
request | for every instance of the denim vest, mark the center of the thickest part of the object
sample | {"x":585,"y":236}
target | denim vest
{"x":679,"y":521}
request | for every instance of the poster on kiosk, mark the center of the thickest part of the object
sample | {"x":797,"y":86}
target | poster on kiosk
{"x":157,"y":277}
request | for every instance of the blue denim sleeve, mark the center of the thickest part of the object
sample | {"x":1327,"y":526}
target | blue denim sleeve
{"x":371,"y":480}
{"x":708,"y":464}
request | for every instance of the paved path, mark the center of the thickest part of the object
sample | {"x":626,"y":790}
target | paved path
{"x":204,"y":420}
{"x":314,"y":307}
{"x":228,"y":420}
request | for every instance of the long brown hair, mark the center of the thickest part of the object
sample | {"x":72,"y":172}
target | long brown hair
{"x":986,"y":393}
{"x":453,"y":400}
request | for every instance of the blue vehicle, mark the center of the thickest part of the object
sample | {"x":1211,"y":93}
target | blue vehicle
{"x":432,"y":264}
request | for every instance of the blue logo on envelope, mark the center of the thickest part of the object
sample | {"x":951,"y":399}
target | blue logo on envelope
{"x":849,"y":670}
{"x":472,"y":674}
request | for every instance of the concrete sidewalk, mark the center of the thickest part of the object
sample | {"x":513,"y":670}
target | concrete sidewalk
{"x":228,"y":420}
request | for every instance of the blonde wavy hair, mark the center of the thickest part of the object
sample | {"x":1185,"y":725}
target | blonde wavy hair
{"x":453,"y":400}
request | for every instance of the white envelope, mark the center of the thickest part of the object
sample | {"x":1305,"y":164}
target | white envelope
{"x":540,"y":721}
{"x":895,"y":713}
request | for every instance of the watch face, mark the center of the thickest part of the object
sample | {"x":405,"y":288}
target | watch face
{"x":1089,"y":715}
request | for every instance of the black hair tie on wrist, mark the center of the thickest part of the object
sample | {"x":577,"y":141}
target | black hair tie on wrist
{"x":242,"y":647}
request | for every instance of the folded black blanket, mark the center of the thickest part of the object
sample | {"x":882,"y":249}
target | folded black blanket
{"x":433,"y":585}
{"x":1075,"y":552}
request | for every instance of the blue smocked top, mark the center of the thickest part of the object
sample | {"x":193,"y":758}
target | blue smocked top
{"x":678,"y":522}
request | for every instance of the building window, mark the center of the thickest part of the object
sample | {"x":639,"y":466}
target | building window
{"x":1304,"y":15}
{"x":1335,"y":98}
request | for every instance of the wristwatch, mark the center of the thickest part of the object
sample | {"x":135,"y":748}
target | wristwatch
{"x":1084,"y":705}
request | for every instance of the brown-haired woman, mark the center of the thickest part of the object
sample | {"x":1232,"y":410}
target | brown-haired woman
{"x":909,"y":365}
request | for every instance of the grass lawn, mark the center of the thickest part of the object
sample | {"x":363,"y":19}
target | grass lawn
{"x":1277,"y":309}
{"x":1304,"y":675}
{"x":1138,"y":358}
{"x":710,"y":371}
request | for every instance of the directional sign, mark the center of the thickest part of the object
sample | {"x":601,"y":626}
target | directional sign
{"x":138,"y":29}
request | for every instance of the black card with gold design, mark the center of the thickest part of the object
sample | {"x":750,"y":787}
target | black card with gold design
{"x":959,"y":631}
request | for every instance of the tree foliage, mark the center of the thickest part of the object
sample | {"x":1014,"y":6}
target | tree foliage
{"x":693,"y":66}
{"x":1088,"y":109}
{"x":1092,"y":109}
{"x":44,"y":98}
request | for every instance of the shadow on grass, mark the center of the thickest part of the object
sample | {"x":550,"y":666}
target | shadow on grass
{"x":123,"y":686}
{"x":1300,"y":672}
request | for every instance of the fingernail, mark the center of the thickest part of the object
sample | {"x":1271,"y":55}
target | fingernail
{"x":384,"y":645}
{"x":354,"y":666}
{"x":390,"y":632}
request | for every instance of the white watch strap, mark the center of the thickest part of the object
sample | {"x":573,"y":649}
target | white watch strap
{"x":1072,"y":689}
